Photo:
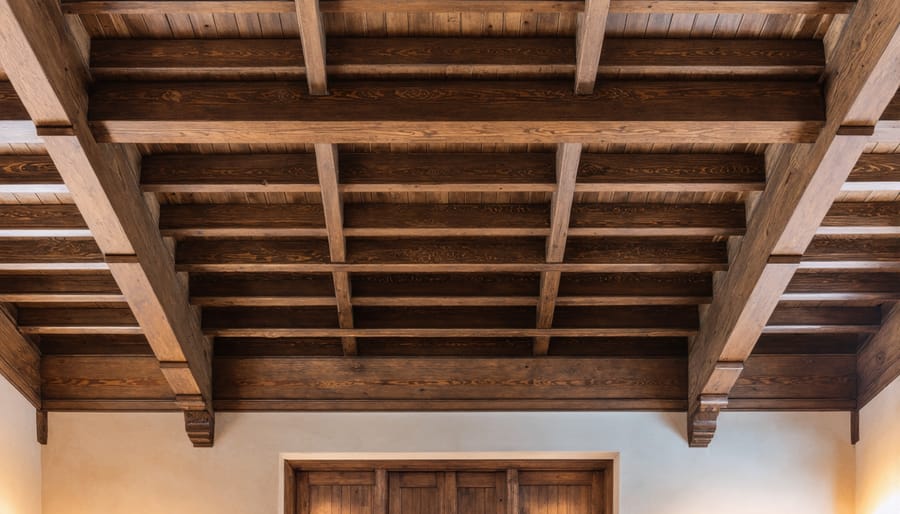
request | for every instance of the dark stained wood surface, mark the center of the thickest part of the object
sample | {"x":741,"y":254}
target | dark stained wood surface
{"x":528,"y":112}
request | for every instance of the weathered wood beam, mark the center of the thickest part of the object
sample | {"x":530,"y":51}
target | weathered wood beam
{"x":312,"y":39}
{"x":878,"y":363}
{"x":589,"y":44}
{"x":453,"y":111}
{"x":568,"y":156}
{"x":852,"y":253}
{"x":236,"y":59}
{"x":42,"y":62}
{"x":333,"y":211}
{"x":823,"y":320}
{"x":803,"y":182}
{"x":613,"y":254}
{"x":439,"y":172}
{"x":807,"y":7}
{"x":20,"y":359}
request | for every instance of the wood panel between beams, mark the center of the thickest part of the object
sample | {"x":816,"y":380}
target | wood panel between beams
{"x":483,"y":112}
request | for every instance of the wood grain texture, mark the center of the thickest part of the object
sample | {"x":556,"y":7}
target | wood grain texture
{"x":438,"y":172}
{"x":29,"y":174}
{"x":809,"y":7}
{"x":452,"y":255}
{"x":618,"y":111}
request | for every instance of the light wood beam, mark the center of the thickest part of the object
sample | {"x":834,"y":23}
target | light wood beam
{"x":312,"y":39}
{"x":333,"y":209}
{"x":589,"y":44}
{"x":568,"y":156}
{"x":807,"y":7}
{"x":20,"y":359}
{"x":47,"y":71}
{"x":803,"y":181}
{"x":878,"y":363}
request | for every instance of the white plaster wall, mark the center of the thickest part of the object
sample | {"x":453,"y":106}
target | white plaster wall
{"x":878,"y":454}
{"x":20,"y":454}
{"x":773,"y":463}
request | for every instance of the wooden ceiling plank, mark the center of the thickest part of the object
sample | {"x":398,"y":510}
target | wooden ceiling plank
{"x":589,"y":44}
{"x":312,"y":38}
{"x":454,"y":111}
{"x":875,"y":172}
{"x":878,"y":361}
{"x":804,"y":180}
{"x":333,"y":208}
{"x":43,"y":63}
{"x":804,"y":7}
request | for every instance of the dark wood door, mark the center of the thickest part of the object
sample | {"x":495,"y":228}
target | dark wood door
{"x":449,"y":488}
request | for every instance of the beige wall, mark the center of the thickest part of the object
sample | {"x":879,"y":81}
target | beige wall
{"x":878,"y":454}
{"x":790,"y":463}
{"x":20,"y":454}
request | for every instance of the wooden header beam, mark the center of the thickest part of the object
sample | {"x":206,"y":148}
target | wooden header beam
{"x":40,"y":57}
{"x":457,"y":111}
{"x":807,"y":7}
{"x":20,"y":360}
{"x":878,"y":363}
{"x":804,"y":180}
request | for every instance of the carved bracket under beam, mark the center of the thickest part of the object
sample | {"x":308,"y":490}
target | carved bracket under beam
{"x":42,"y":426}
{"x":702,"y":421}
{"x":201,"y":427}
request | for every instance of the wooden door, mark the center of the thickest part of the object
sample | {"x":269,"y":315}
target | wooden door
{"x":525,"y":489}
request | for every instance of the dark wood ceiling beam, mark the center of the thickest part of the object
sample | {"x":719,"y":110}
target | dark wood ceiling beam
{"x":236,"y":59}
{"x":42,"y":221}
{"x":823,"y":320}
{"x":422,"y":255}
{"x":43,"y":63}
{"x":836,"y":286}
{"x":468,"y":220}
{"x":862,"y":218}
{"x":441,"y":172}
{"x":29,"y":174}
{"x":452,"y":111}
{"x":20,"y":359}
{"x":68,"y":287}
{"x":878,"y":362}
{"x":803,"y":182}
{"x":312,"y":39}
{"x":852,"y":253}
{"x":887,"y":130}
{"x":74,"y":319}
{"x":803,"y":7}
{"x":875,"y":172}
{"x":333,"y":212}
{"x":16,"y":126}
{"x":45,"y":254}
